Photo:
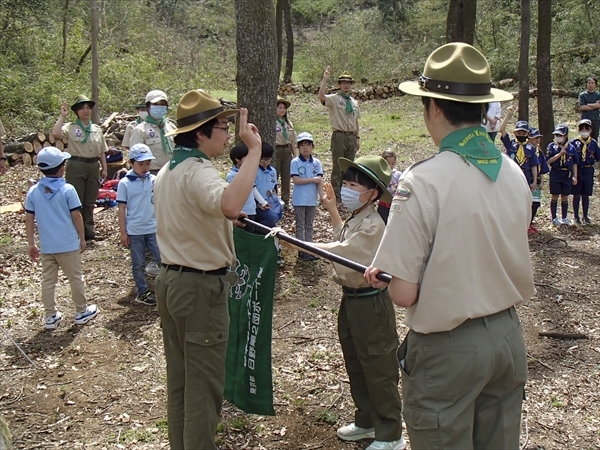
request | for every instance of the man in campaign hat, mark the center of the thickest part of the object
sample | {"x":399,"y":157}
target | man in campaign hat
{"x":195,"y":209}
{"x":456,"y":247}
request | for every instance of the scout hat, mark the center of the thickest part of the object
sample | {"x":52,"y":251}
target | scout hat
{"x":284,"y":101}
{"x":140,"y":105}
{"x":51,"y":157}
{"x":196,"y":108}
{"x":522,"y":125}
{"x":140,"y":152}
{"x":376,"y":168}
{"x":304,"y":136}
{"x":345,"y":76}
{"x":458,"y":72}
{"x":534,"y":133}
{"x":79,"y":102}
{"x":561,"y":129}
{"x":586,"y":122}
{"x":156,"y":96}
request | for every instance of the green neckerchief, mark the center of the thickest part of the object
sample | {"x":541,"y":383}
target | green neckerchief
{"x":474,"y":146}
{"x":181,"y":153}
{"x":87,"y":129}
{"x":166,"y":142}
{"x":349,"y":105}
{"x":283,"y":124}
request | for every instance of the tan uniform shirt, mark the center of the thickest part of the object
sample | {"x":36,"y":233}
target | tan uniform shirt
{"x":462,"y":238}
{"x":127,"y":135}
{"x":191,"y":228}
{"x":93,"y":148}
{"x":358,"y":240}
{"x":291,"y":134}
{"x":338,"y":117}
{"x":149,"y":134}
{"x":2,"y":130}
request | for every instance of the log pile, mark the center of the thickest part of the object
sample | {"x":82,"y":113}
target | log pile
{"x":368,"y":91}
{"x":26,"y":148}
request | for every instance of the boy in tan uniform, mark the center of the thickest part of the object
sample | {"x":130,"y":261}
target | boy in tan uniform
{"x":460,"y":266}
{"x":343,"y":116}
{"x":87,"y":147}
{"x":195,"y":209}
{"x":154,"y":130}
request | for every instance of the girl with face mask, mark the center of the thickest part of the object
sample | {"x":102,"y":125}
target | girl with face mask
{"x":588,"y":152}
{"x":562,"y":160}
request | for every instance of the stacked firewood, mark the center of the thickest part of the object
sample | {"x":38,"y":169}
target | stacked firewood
{"x":367,"y":91}
{"x":27,"y":147}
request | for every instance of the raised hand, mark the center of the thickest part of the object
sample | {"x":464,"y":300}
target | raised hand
{"x":249,"y":133}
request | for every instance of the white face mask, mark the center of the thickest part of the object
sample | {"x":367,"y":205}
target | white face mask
{"x":351,"y":198}
{"x":143,"y":114}
{"x":584,"y":134}
{"x":559,"y":139}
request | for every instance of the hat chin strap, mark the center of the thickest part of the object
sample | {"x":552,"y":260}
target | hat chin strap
{"x":449,"y":87}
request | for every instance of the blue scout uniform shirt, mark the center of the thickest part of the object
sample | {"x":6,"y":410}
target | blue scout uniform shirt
{"x":52,"y":200}
{"x":589,"y":97}
{"x":250,"y":205}
{"x":564,"y":162}
{"x":138,"y":194}
{"x":266,"y":180}
{"x":592,"y":151}
{"x":543,"y":167}
{"x":305,"y":194}
{"x":531,"y":159}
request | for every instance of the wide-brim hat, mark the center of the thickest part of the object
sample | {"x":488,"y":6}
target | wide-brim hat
{"x":81,"y":99}
{"x":376,"y":168}
{"x":196,"y":108}
{"x":458,"y":72}
{"x":287,"y":103}
{"x":345,"y":76}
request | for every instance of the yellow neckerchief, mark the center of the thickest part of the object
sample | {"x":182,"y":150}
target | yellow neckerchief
{"x":584,"y":147}
{"x":520,"y":158}
{"x":563,"y":158}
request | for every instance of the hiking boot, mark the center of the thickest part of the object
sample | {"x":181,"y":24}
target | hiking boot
{"x":152,"y":269}
{"x":556,"y":222}
{"x":82,"y":318}
{"x":146,"y":298}
{"x":587,"y":220}
{"x":353,"y":433}
{"x":400,"y":444}
{"x":567,"y":221}
{"x":51,"y":322}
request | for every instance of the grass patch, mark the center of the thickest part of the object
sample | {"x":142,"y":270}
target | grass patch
{"x":330,"y":418}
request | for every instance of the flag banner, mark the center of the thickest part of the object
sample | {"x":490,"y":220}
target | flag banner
{"x":248,"y":379}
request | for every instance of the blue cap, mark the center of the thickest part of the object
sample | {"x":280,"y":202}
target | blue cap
{"x":586,"y":122}
{"x":561,"y":129}
{"x":51,"y":157}
{"x":140,"y":152}
{"x":522,"y":125}
{"x":304,"y":136}
{"x":534,"y":132}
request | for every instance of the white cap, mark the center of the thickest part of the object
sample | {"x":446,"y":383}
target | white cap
{"x":140,"y":152}
{"x":51,"y":157}
{"x":304,"y":136}
{"x":156,"y":96}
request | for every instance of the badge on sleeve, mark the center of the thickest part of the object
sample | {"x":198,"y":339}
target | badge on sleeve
{"x":403,"y":192}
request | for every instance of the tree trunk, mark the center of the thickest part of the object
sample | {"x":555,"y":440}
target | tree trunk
{"x":95,"y":64}
{"x":64,"y":31}
{"x":544,"y":78}
{"x":289,"y":37}
{"x":279,"y":29}
{"x":460,"y":22}
{"x":524,"y":60}
{"x":257,"y":77}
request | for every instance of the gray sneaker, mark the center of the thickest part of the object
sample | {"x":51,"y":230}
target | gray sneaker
{"x":84,"y":317}
{"x":51,"y":322}
{"x":353,"y":433}
{"x":567,"y":221}
{"x":557,"y":222}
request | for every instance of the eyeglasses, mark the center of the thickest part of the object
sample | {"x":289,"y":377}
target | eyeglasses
{"x":225,"y":128}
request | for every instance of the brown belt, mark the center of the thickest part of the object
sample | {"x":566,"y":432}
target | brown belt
{"x":85,"y":160}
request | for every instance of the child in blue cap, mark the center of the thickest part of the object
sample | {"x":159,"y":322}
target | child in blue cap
{"x":536,"y":194}
{"x":589,"y":153}
{"x":137,"y":223}
{"x":562,"y":160}
{"x":53,"y":204}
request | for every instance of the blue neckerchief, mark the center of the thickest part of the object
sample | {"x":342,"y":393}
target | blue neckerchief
{"x":268,"y":169}
{"x":134,"y":176}
{"x":304,"y":160}
{"x":51,"y":185}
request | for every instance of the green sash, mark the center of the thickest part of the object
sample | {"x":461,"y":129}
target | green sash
{"x":349,"y":105}
{"x":248,"y":376}
{"x":166,"y":142}
{"x":87,"y":129}
{"x":181,"y":153}
{"x":283,"y":124}
{"x":474,"y":146}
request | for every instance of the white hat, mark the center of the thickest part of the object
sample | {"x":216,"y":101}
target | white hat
{"x":156,"y":96}
{"x":304,"y":136}
{"x":51,"y":157}
{"x":140,"y":152}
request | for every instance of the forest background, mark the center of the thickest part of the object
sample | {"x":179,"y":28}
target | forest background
{"x":177,"y":45}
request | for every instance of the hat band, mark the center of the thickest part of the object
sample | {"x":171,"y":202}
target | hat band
{"x":195,"y":118}
{"x":448,"y":87}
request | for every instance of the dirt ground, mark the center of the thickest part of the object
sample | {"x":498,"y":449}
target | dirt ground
{"x":102,"y":386}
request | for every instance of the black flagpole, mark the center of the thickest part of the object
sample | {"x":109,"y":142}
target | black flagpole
{"x":382,"y":276}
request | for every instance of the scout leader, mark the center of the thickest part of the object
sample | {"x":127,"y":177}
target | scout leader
{"x":343,"y":116}
{"x":460,"y":268}
{"x":87,"y":147}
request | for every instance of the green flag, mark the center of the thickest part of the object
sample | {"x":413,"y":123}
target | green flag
{"x":248,"y":379}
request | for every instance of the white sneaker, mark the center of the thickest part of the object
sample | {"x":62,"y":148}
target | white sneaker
{"x":85,"y":317}
{"x":567,"y":221}
{"x":353,"y":433}
{"x":400,"y":444}
{"x":556,"y":222}
{"x":52,"y":322}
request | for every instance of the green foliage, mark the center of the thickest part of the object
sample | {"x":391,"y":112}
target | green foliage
{"x":329,"y":417}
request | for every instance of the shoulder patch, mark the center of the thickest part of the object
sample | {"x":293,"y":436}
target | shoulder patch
{"x":403,"y":192}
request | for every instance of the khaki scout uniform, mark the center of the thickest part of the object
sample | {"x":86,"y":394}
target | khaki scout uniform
{"x":196,"y":246}
{"x":464,"y":242}
{"x":82,"y":170}
{"x":149,"y":134}
{"x":126,"y":142}
{"x":343,"y":138}
{"x":367,"y":329}
{"x":283,"y":157}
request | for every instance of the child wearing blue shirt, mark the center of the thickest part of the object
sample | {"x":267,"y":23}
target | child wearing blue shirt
{"x":536,"y":194}
{"x":53,"y":204}
{"x":562,"y":160}
{"x":307,"y":175}
{"x":266,"y":184}
{"x":589,"y":153}
{"x":519,"y":150}
{"x":137,"y":224}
